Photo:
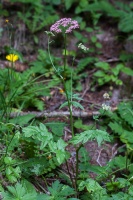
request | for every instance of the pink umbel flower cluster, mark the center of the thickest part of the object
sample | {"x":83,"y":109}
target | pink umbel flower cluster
{"x":65,"y":24}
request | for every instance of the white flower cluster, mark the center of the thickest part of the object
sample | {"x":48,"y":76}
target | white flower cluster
{"x":106,"y":96}
{"x":81,"y":46}
{"x":106,"y":107}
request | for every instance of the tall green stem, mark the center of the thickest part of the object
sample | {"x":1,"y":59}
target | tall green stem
{"x":65,"y":56}
{"x":69,"y":107}
{"x":63,"y":79}
{"x":64,"y":84}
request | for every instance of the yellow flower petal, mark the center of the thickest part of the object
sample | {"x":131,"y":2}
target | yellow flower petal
{"x":12,"y":57}
{"x":61,"y":91}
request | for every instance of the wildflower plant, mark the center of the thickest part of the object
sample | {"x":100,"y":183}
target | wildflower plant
{"x":66,"y":26}
{"x":12,"y":58}
{"x":106,"y":104}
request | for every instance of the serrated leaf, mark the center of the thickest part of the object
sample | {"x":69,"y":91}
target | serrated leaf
{"x":116,"y":127}
{"x":77,"y":105}
{"x":126,"y":112}
{"x":90,"y":184}
{"x":61,"y":144}
{"x":85,"y":136}
{"x":63,"y":105}
{"x":84,"y":62}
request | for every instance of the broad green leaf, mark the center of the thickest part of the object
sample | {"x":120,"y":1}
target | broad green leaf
{"x":99,"y":73}
{"x":94,"y":39}
{"x":90,"y":184}
{"x":79,"y":124}
{"x":60,"y":156}
{"x":52,"y":146}
{"x":9,"y":160}
{"x":103,"y":65}
{"x":98,"y":45}
{"x":61,"y":144}
{"x":127,"y":71}
{"x":116,"y":70}
{"x":22,"y":120}
{"x":56,"y":127}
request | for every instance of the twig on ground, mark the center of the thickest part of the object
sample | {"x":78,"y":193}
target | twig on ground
{"x":99,"y":153}
{"x":82,"y":114}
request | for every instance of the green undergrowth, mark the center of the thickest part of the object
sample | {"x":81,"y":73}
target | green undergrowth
{"x":39,"y":151}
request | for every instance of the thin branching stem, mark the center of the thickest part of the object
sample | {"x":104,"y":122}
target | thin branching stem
{"x":70,"y":174}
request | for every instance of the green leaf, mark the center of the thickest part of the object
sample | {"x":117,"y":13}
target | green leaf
{"x":56,"y":127}
{"x":63,"y":105}
{"x":119,"y":162}
{"x":8,"y":160}
{"x":99,"y":73}
{"x":94,"y":39}
{"x":127,"y":71}
{"x":83,"y":63}
{"x":22,"y":120}
{"x":77,"y":105}
{"x":90,"y":184}
{"x":43,"y":197}
{"x":12,"y":178}
{"x":60,"y":156}
{"x":61,"y":144}
{"x":125,"y":23}
{"x":103,"y":65}
{"x":116,"y":70}
{"x":68,"y":4}
{"x":116,"y":127}
{"x":79,"y":125}
{"x":126,"y":112}
{"x":60,"y":191}
{"x":85,"y":136}
{"x":38,"y":104}
{"x":56,"y":2}
{"x":98,"y":45}
{"x":38,"y":133}
{"x":23,"y":191}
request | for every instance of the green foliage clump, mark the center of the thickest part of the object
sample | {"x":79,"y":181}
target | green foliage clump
{"x":36,"y":14}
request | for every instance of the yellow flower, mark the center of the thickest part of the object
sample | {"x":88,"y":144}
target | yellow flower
{"x":6,"y":20}
{"x":61,"y":91}
{"x":12,"y":57}
{"x":49,"y":157}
